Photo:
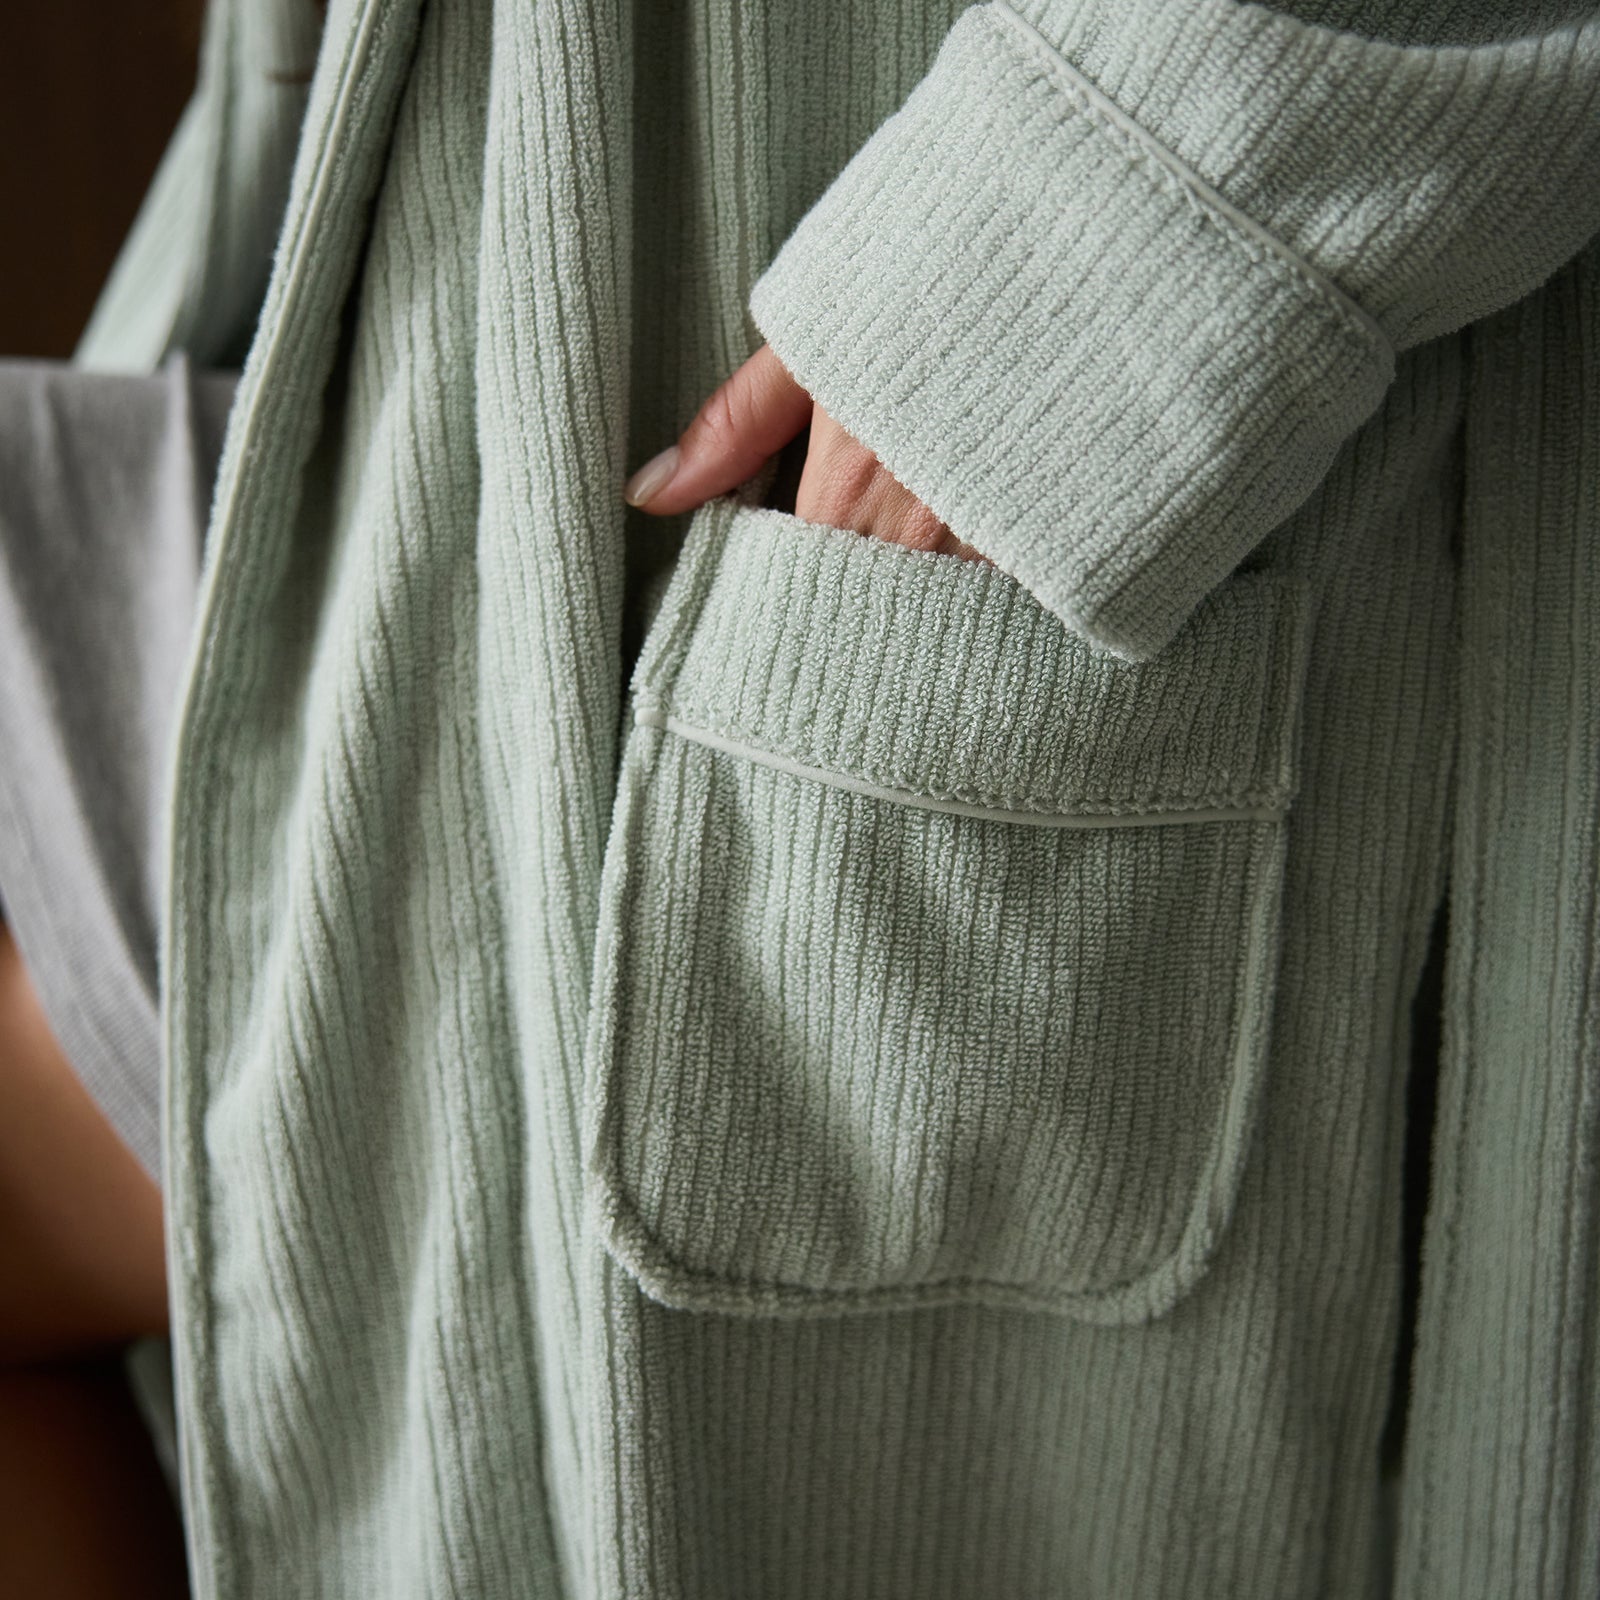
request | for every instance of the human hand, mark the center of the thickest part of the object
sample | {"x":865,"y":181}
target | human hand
{"x":753,"y":415}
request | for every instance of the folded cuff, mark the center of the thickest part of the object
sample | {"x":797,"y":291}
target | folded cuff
{"x":1089,"y":364}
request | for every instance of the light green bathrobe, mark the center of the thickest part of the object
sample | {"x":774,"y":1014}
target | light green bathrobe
{"x":902,"y":1095}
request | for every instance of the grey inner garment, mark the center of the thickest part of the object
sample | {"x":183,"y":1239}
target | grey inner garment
{"x":105,"y":486}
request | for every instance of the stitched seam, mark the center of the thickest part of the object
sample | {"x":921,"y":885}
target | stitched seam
{"x":756,"y":1293}
{"x":1251,"y":805}
{"x":1259,"y":244}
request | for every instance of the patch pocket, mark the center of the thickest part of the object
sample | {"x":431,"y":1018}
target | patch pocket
{"x":937,"y":948}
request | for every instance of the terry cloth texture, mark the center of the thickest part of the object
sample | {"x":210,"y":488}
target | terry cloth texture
{"x":903,"y":1094}
{"x":105,"y":485}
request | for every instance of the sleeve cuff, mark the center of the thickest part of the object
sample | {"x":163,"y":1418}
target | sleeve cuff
{"x":1050,"y":328}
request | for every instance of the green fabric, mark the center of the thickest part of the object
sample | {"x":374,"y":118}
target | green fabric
{"x":909,"y":1100}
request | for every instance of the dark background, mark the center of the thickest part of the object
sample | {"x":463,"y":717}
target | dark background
{"x":90,"y":91}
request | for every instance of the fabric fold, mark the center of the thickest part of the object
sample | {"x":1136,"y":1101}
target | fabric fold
{"x":104,"y":484}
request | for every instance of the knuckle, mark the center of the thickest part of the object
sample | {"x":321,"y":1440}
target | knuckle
{"x":718,"y":425}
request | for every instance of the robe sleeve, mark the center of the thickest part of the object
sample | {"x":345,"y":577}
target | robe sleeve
{"x":1113,"y":285}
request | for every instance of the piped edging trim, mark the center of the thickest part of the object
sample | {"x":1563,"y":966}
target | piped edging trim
{"x":1098,"y":104}
{"x":653,"y":716}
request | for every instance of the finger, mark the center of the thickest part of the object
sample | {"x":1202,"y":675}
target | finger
{"x":750,"y":416}
{"x":845,"y":485}
{"x":839,"y":480}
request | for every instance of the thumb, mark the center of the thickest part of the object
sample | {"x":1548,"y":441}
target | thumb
{"x":749,"y":417}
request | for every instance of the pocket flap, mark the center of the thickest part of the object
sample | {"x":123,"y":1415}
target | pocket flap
{"x":946,"y":679}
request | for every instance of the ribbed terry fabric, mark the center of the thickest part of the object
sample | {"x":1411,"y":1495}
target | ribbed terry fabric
{"x":1302,"y":317}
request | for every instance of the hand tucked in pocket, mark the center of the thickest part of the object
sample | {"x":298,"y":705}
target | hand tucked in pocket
{"x":752,"y":416}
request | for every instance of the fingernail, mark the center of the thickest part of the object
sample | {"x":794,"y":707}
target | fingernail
{"x":652,"y":477}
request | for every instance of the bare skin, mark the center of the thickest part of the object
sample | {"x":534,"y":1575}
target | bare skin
{"x":751,"y":416}
{"x":84,"y":1512}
